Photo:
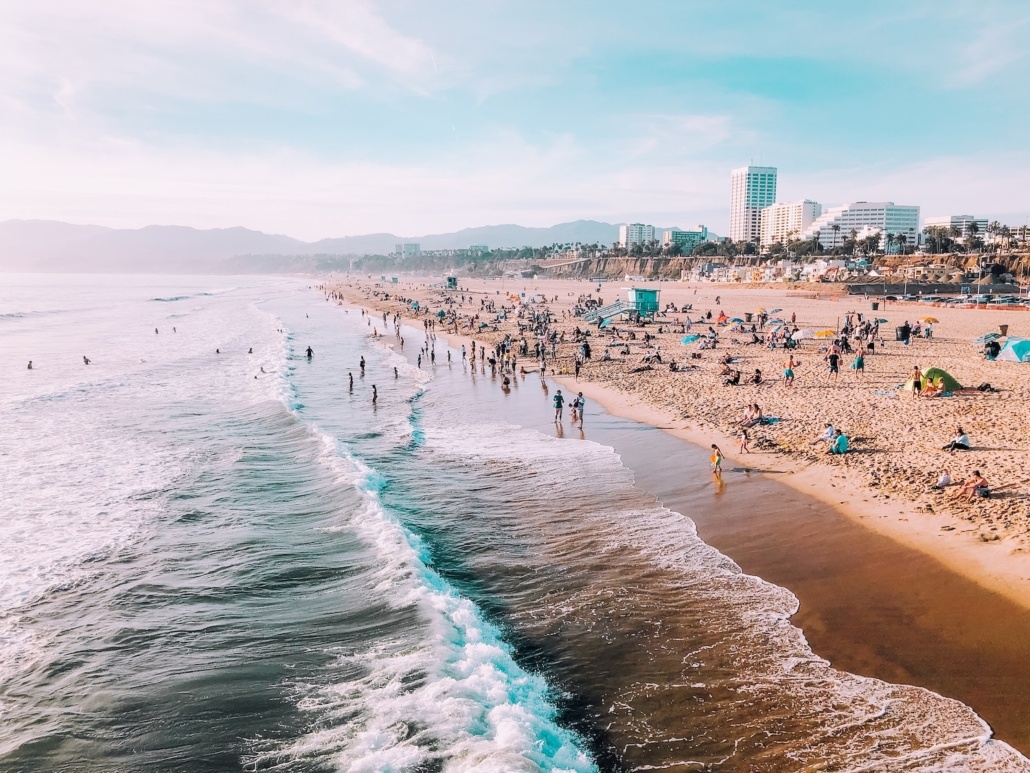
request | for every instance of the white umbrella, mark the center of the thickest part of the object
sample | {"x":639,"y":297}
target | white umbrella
{"x":805,"y":332}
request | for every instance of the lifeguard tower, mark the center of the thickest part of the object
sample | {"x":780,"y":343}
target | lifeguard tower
{"x":452,"y":283}
{"x":641,"y":303}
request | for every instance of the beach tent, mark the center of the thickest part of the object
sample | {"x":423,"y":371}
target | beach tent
{"x":689,"y":339}
{"x":1015,"y":350}
{"x":939,"y":375}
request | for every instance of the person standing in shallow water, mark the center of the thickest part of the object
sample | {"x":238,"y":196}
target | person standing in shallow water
{"x":558,"y":401}
{"x":361,"y":364}
{"x":375,"y":394}
{"x":716,"y":460}
{"x":310,"y":352}
{"x":350,"y":380}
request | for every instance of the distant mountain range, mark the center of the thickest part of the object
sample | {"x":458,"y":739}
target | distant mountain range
{"x":45,"y":245}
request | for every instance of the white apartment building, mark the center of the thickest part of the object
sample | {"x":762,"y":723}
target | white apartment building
{"x":960,"y":222}
{"x":866,"y":218}
{"x":635,"y":233}
{"x":779,"y":220}
{"x":752,"y":189}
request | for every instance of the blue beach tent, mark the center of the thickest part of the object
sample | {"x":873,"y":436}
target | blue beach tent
{"x":1015,"y":350}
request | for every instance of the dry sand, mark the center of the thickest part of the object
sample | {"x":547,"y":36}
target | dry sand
{"x":897,"y":439}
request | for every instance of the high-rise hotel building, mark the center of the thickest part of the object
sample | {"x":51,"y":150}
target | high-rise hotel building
{"x":752,"y":189}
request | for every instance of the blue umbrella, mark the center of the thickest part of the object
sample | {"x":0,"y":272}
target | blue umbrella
{"x":736,"y":319}
{"x":689,"y":339}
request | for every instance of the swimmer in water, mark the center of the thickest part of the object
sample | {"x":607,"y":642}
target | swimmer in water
{"x":375,"y":394}
{"x":155,"y":331}
{"x":85,"y":360}
{"x":30,"y":364}
{"x":218,"y":351}
{"x":310,"y":352}
{"x":361,"y":364}
{"x":250,"y":350}
{"x":395,"y":374}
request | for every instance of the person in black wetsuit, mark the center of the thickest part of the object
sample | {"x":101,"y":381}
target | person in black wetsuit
{"x":310,"y":352}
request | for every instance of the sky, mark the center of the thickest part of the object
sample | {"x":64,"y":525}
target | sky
{"x":319,"y":118}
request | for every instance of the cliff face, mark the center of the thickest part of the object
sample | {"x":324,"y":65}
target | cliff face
{"x":612,"y":268}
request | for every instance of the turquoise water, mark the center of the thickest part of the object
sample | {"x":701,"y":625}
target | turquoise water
{"x":232,"y":561}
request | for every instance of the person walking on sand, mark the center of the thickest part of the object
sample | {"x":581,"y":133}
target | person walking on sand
{"x":558,"y":401}
{"x":858,"y":365}
{"x":833,"y":358}
{"x":716,"y":460}
{"x":788,"y":370}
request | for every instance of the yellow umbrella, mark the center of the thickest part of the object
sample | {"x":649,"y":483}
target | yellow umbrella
{"x":826,"y":334}
{"x":930,"y":320}
{"x":759,"y":311}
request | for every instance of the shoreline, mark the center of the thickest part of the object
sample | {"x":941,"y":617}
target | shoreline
{"x":975,"y":550}
{"x":983,"y":563}
{"x":851,"y":609}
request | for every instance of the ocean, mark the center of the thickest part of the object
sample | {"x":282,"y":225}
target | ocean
{"x":216,"y":555}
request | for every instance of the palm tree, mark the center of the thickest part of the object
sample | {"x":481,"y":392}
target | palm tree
{"x":972,"y":229}
{"x":836,"y":230}
{"x":889,"y":238}
{"x":902,"y":240}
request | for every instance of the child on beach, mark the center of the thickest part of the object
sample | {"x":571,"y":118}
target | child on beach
{"x":743,"y":442}
{"x":716,"y":461}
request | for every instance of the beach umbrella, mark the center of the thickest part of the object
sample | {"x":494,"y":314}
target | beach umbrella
{"x":980,"y":340}
{"x":775,"y":311}
{"x":881,"y":320}
{"x":760,"y":311}
{"x":805,"y":332}
{"x":929,"y":320}
{"x":689,"y":339}
{"x":777,"y":321}
{"x":826,"y":334}
{"x":736,"y":319}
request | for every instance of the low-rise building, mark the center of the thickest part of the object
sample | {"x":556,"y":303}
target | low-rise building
{"x":687,"y":240}
{"x":961,"y":224}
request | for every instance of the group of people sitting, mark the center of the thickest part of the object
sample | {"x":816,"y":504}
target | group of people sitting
{"x":836,"y":441}
{"x":974,"y":486}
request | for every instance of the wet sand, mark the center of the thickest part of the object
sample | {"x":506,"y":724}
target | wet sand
{"x":869,"y":605}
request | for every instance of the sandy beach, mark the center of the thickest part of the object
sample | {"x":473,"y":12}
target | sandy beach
{"x":884,"y":482}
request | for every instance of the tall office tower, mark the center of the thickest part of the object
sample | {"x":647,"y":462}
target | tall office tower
{"x":752,"y":189}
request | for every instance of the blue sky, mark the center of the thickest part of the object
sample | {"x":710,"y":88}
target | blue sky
{"x":330,"y":118}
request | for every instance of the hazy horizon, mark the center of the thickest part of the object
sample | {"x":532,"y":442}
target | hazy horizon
{"x":319,"y":121}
